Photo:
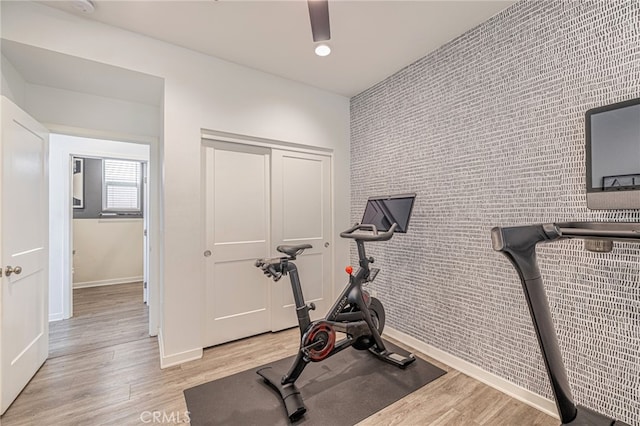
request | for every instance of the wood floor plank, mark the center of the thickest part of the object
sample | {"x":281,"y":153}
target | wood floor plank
{"x":105,"y":370}
{"x":103,"y":316}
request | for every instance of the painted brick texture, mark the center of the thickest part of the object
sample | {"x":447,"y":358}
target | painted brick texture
{"x":489,"y":131}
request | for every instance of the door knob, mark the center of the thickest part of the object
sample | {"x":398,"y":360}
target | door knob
{"x":10,"y":270}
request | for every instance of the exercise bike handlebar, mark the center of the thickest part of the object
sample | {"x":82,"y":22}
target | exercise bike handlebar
{"x":371,"y":235}
{"x":270,"y":267}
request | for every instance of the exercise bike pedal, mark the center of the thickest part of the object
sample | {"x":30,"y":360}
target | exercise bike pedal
{"x":394,"y":358}
{"x":289,"y":393}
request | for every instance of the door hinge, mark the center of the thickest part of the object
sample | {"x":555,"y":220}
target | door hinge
{"x":144,"y":232}
{"x":0,"y":272}
{"x":144,"y":284}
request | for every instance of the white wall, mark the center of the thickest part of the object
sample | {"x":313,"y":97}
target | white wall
{"x":107,"y":251}
{"x":82,"y":110}
{"x":200,"y":93}
{"x":13,"y":85}
{"x":61,"y":148}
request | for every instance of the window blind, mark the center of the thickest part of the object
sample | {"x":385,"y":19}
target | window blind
{"x":122,"y":180}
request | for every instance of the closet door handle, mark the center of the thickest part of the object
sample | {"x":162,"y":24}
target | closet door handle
{"x":11,"y":270}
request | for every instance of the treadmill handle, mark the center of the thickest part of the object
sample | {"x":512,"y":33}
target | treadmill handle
{"x":518,"y":243}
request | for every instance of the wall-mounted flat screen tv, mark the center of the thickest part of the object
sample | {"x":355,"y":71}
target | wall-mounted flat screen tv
{"x":385,"y":211}
{"x":613,"y":156}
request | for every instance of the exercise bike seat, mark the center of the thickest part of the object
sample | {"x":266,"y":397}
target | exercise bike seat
{"x":293,"y":251}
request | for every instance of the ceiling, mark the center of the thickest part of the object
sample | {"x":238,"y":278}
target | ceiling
{"x":370,"y":40}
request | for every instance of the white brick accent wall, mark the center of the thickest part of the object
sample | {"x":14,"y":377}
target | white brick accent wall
{"x":489,"y":131}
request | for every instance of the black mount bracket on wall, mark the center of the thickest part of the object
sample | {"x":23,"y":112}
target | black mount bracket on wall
{"x":518,"y":244}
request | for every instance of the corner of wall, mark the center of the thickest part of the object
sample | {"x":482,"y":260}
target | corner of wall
{"x":172,"y":360}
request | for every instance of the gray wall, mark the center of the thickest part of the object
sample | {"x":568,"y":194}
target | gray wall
{"x":489,"y":130}
{"x":92,"y":190}
{"x":93,"y":194}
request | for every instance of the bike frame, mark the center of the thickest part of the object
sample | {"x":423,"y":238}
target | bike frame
{"x":353,"y":324}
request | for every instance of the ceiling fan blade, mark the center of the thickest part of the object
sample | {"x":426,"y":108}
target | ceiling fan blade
{"x":319,"y":16}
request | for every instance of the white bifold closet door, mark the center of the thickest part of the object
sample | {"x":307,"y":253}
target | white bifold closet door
{"x":237,"y":221}
{"x":301,"y":206}
{"x":256,"y":199}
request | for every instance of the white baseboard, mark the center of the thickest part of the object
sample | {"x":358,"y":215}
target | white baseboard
{"x":179,"y":358}
{"x":56,"y":317}
{"x":113,"y":281}
{"x":530,"y":398}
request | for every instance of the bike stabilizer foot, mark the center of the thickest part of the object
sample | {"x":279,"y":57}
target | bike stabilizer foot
{"x":393,"y":358}
{"x":289,"y":393}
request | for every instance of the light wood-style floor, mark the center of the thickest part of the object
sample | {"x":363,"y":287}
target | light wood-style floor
{"x":105,"y":370}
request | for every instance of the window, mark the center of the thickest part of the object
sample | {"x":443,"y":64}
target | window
{"x":122,"y":186}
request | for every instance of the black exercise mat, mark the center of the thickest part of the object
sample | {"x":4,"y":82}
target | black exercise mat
{"x":341,"y":390}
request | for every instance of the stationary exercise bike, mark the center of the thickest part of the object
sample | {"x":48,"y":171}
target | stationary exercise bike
{"x":355,"y":313}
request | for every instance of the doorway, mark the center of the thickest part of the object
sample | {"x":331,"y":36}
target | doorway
{"x":64,"y":151}
{"x":108,"y":221}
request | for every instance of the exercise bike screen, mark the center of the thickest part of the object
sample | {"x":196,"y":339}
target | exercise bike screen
{"x":385,"y":211}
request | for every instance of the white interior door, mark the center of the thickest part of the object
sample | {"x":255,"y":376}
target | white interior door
{"x":23,"y":250}
{"x":301,"y":211}
{"x":237,"y":232}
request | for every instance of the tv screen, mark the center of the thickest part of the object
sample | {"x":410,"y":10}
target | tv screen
{"x":613,"y":156}
{"x":385,"y":211}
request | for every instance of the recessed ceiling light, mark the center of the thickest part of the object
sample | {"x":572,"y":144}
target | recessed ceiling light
{"x":322,"y":50}
{"x":84,"y":6}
